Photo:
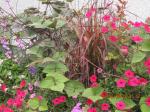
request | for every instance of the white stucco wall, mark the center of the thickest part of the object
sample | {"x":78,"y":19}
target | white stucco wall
{"x":138,"y":7}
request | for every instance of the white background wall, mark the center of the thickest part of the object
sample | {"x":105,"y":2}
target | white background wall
{"x":139,"y":7}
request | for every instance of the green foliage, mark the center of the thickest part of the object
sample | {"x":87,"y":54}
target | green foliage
{"x":145,"y":45}
{"x":93,"y":93}
{"x":138,"y":57}
{"x":73,"y":88}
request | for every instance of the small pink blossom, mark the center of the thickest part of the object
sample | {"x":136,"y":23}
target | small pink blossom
{"x":113,"y":38}
{"x":129,"y":74}
{"x":147,"y":63}
{"x":104,"y":29}
{"x":124,"y":50}
{"x":133,"y":82}
{"x":147,"y":28}
{"x":106,"y":18}
{"x":137,"y":24}
{"x":92,"y":109}
{"x":121,"y":83}
{"x":147,"y":101}
{"x":137,"y":39}
{"x":120,"y":105}
{"x":93,"y":78}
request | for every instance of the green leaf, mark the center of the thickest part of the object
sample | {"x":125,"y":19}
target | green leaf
{"x":55,"y":67}
{"x":129,"y":103}
{"x":138,"y":57}
{"x":146,"y":45}
{"x":33,"y":103}
{"x":60,"y":23}
{"x":143,"y":106}
{"x":43,"y":105}
{"x":74,"y":88}
{"x":93,"y":93}
{"x":47,"y":83}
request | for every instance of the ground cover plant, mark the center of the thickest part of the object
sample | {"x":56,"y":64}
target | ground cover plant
{"x":67,"y":60}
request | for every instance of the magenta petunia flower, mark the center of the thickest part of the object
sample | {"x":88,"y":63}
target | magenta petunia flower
{"x":134,"y":82}
{"x":104,"y":29}
{"x":120,"y":105}
{"x":121,"y":83}
{"x":147,"y":101}
{"x":129,"y":74}
{"x":137,"y":39}
{"x":105,"y":106}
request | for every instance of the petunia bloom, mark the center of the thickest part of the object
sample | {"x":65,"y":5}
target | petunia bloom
{"x":121,"y":83}
{"x":147,"y":63}
{"x":137,"y":39}
{"x":147,"y":101}
{"x":92,"y":110}
{"x":93,"y":78}
{"x":129,"y":74}
{"x":106,"y":18}
{"x":134,"y":82}
{"x":124,"y":50}
{"x":104,"y":29}
{"x":113,"y":38}
{"x":120,"y":105}
{"x":105,"y":106}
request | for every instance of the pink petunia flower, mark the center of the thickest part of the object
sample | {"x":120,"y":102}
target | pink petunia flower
{"x":104,"y":29}
{"x":113,"y":38}
{"x":113,"y":25}
{"x":137,"y":24}
{"x":3,"y":87}
{"x":105,"y":106}
{"x":137,"y":39}
{"x":121,"y":83}
{"x":124,"y":50}
{"x":147,"y":28}
{"x":92,"y":110}
{"x":120,"y":105}
{"x":147,"y":63}
{"x":147,"y":101}
{"x":133,"y":82}
{"x":10,"y":102}
{"x":93,"y":78}
{"x":129,"y":74}
{"x":106,"y":18}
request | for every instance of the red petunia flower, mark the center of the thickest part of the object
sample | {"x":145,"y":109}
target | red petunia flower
{"x":93,"y":78}
{"x":105,"y":106}
{"x":143,"y":81}
{"x":147,"y":101}
{"x":22,"y":83}
{"x":104,"y":94}
{"x":137,"y":24}
{"x":89,"y":102}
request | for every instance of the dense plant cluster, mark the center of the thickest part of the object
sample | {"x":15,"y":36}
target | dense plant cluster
{"x":63,"y":60}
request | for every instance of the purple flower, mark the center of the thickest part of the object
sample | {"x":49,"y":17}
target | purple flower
{"x":77,"y":108}
{"x":32,"y":70}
